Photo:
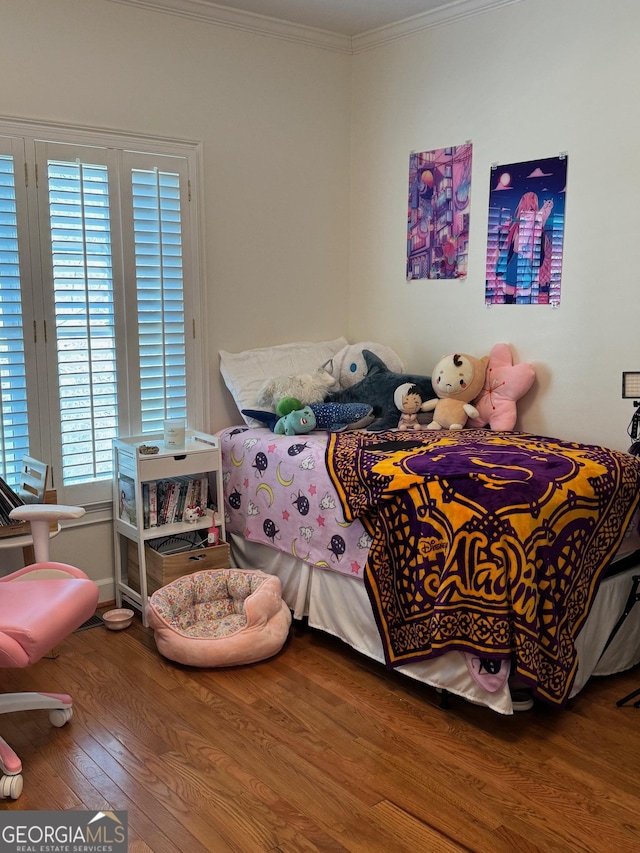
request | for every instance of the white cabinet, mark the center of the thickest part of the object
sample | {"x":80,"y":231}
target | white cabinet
{"x":133,"y":469}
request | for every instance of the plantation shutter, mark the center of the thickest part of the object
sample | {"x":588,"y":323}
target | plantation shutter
{"x":99,"y":287}
{"x":157,"y":212}
{"x":14,"y":268}
{"x":76,"y":233}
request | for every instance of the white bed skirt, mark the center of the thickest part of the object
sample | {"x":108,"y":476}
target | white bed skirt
{"x":339,"y":605}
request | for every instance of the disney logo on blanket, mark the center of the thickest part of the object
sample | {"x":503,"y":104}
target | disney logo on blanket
{"x":429,"y":544}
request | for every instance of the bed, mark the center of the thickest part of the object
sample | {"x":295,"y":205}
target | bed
{"x":285,"y":515}
{"x":462,"y":559}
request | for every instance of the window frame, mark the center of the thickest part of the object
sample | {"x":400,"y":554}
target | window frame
{"x":37,"y":299}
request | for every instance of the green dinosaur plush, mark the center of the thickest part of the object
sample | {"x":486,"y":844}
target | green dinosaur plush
{"x":295,"y":419}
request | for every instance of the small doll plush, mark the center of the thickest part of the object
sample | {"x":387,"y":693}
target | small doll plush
{"x":408,"y":399}
{"x":457,"y":380}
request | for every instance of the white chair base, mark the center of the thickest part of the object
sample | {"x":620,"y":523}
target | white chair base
{"x":60,"y":707}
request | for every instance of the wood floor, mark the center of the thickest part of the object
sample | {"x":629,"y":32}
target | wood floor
{"x":321,"y":750}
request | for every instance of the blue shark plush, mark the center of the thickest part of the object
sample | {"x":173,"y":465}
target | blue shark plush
{"x":377,"y":390}
{"x":332,"y":417}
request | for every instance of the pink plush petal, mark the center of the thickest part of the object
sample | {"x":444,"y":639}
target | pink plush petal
{"x":505,"y":383}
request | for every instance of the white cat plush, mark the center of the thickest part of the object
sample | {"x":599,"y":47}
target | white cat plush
{"x":309,"y":388}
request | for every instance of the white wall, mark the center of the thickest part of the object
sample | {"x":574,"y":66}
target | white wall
{"x":273,"y":118}
{"x":531,"y":80}
{"x":284,"y":258}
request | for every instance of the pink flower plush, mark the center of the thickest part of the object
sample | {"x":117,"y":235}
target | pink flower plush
{"x":505,"y":382}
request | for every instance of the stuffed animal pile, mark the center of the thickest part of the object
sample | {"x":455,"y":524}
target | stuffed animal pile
{"x":358,"y":389}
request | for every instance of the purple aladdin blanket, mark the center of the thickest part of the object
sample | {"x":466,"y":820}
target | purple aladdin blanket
{"x":485,"y":542}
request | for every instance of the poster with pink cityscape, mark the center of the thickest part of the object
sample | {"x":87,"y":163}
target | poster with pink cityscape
{"x":438,"y":216}
{"x":526,"y":232}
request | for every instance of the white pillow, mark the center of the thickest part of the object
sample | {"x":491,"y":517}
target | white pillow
{"x":245,"y":372}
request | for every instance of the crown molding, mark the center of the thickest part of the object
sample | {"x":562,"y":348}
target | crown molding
{"x":447,"y":14}
{"x":213,"y":13}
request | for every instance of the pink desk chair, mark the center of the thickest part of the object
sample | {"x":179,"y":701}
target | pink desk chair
{"x":40,"y":605}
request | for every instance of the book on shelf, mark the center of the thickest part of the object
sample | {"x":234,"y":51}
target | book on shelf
{"x":172,"y":502}
{"x":153,"y":504}
{"x":145,"y":505}
{"x":127,"y":507}
{"x":162,"y":487}
{"x":182,"y":497}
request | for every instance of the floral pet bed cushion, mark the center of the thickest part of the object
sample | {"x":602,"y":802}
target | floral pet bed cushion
{"x":223,"y":617}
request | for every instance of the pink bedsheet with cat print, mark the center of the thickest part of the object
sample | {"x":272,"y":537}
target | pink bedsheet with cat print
{"x":277,"y":492}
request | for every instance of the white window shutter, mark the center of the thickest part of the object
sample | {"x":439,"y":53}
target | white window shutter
{"x":158,"y":241}
{"x":14,"y":415}
{"x":81,"y":263}
{"x":99,"y":285}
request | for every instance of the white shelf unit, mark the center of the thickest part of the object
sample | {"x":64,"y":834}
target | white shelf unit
{"x":201,"y":455}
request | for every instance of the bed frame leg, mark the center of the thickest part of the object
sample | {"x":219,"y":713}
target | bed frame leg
{"x":445,"y":702}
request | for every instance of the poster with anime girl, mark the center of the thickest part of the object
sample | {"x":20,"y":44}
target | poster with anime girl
{"x":438,"y":217}
{"x":526,"y":232}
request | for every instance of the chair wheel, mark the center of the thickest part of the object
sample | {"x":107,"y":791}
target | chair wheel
{"x":11,"y":786}
{"x":59,"y":717}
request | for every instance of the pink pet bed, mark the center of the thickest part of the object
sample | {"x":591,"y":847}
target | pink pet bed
{"x":219,"y":617}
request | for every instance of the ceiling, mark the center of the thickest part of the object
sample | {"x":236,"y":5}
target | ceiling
{"x":347,"y":17}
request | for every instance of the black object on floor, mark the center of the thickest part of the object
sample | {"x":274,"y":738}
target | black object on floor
{"x":93,"y":622}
